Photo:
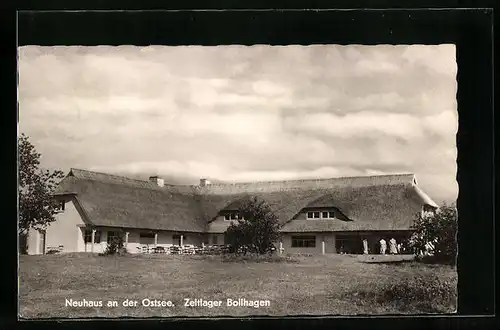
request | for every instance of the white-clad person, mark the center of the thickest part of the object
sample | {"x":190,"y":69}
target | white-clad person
{"x":365,"y":246}
{"x":393,"y":247}
{"x":383,"y":246}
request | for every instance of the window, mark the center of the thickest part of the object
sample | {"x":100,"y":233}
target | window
{"x":328,"y":215}
{"x":88,"y":236}
{"x":112,"y":235}
{"x":60,"y":206}
{"x":214,"y":240}
{"x":303,"y":241}
{"x":313,"y":215}
{"x":320,"y":215}
{"x":232,"y":216}
{"x":146,"y":238}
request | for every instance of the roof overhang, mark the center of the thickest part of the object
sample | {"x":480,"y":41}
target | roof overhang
{"x":426,"y":200}
{"x":64,"y":194}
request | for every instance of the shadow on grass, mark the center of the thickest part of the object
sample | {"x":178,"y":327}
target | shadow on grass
{"x":258,"y":258}
{"x":421,"y":294}
{"x":434,"y":260}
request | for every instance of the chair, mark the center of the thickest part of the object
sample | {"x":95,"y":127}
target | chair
{"x":175,"y":249}
{"x":159,"y":249}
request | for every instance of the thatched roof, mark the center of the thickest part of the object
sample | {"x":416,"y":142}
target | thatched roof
{"x":121,"y":202}
{"x":369,"y":203}
{"x":387,"y":207}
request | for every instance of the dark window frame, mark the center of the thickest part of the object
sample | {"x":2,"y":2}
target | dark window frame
{"x":146,"y":235}
{"x":61,"y":206}
{"x":115,"y":234}
{"x":305,"y":241}
{"x":320,"y":214}
{"x":313,"y":215}
{"x":87,"y":236}
{"x":231,"y":216}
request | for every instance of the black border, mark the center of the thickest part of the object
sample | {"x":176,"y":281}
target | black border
{"x":470,"y":29}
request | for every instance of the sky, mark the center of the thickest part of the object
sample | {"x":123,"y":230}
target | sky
{"x":244,"y":113}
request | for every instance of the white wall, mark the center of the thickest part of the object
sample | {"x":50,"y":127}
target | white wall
{"x":69,"y":228}
{"x":328,"y":238}
{"x":63,"y":231}
{"x":164,"y":239}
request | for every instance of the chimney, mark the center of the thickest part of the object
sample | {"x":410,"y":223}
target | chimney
{"x":204,"y":182}
{"x":157,"y":180}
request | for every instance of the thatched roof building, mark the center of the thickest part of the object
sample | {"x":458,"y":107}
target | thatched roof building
{"x":384,"y":202}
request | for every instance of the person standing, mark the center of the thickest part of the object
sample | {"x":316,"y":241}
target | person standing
{"x":383,"y":246}
{"x":365,"y":246}
{"x":393,"y":248}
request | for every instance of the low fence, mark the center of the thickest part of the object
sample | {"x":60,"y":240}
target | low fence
{"x":189,"y":249}
{"x":185,"y":249}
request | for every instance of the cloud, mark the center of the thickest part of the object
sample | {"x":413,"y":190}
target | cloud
{"x":380,"y":101}
{"x":440,"y":58}
{"x":371,"y":66}
{"x":239,"y":113}
{"x":368,"y":123}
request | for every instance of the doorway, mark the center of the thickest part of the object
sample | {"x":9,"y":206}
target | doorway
{"x":348,"y":244}
{"x":41,"y":247}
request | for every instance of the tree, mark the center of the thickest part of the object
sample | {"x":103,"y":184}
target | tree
{"x":36,"y":203}
{"x":256,"y":230}
{"x":435,"y":233}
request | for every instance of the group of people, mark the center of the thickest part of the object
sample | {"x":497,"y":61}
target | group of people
{"x":394,"y":247}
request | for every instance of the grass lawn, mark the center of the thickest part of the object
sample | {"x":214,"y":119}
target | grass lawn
{"x":319,"y":285}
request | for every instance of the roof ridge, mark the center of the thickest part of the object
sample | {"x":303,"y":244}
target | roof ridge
{"x":107,"y":174}
{"x":221,"y":184}
{"x":309,"y":180}
{"x":126,"y":177}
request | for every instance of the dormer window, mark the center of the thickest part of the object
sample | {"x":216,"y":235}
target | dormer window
{"x":313,"y":215}
{"x":232,"y":216}
{"x":321,"y":215}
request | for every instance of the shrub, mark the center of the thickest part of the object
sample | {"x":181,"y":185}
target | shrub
{"x":435,"y":234}
{"x":115,"y":246}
